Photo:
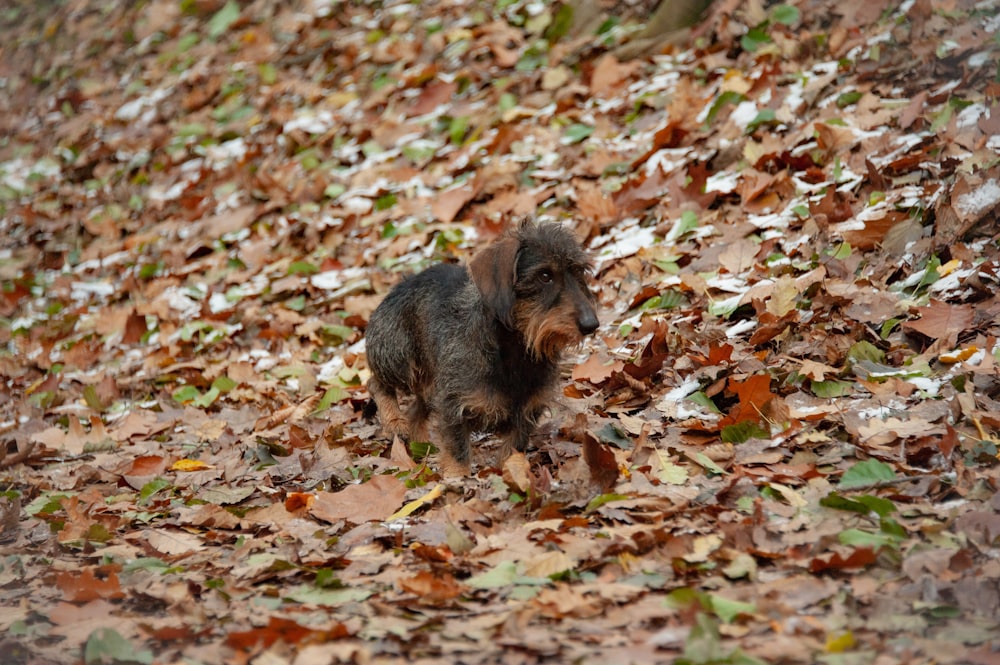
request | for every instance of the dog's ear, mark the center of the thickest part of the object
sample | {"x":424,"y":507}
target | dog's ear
{"x":493,"y":270}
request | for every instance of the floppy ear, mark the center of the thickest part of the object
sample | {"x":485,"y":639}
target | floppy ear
{"x":492,"y":271}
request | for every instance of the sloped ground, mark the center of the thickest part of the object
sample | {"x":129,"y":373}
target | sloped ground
{"x":781,"y":446}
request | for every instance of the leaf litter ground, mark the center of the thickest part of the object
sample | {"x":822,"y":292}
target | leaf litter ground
{"x":780,"y":447}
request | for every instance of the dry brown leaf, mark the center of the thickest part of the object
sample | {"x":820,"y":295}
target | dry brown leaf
{"x":940,"y":319}
{"x":371,"y":501}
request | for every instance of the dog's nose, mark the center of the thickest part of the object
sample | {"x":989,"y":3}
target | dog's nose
{"x":586,"y":321}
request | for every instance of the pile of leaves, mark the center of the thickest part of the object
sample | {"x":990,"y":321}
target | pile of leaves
{"x":780,"y":446}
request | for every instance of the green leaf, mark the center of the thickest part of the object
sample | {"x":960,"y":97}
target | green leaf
{"x":385,"y":201}
{"x":763,"y":117}
{"x":207,"y":399}
{"x":561,"y":23}
{"x":91,"y":398}
{"x":327,"y":577}
{"x":267,"y":72}
{"x":534,"y":56}
{"x":668,"y":472}
{"x":707,"y":464}
{"x":742,"y":432}
{"x":892,"y":527}
{"x":152,"y":487}
{"x":754,"y":39}
{"x":703,"y":644}
{"x":878,"y":505}
{"x":727,"y":609}
{"x":868,"y":472}
{"x":684,"y":598}
{"x":186,"y":394}
{"x":335,"y":189}
{"x":602,"y":499}
{"x":848,"y":98}
{"x":312,"y":595}
{"x":502,"y":575}
{"x":829,"y":389}
{"x":865,"y":350}
{"x":703,"y":400}
{"x":331,"y":396}
{"x":223,"y":19}
{"x":863,"y":504}
{"x":46,"y":504}
{"x":785,"y":14}
{"x":296,"y":304}
{"x":941,"y":119}
{"x":728,"y":97}
{"x":506,"y":102}
{"x":843,"y":251}
{"x":107,"y":646}
{"x":839,"y":502}
{"x":224,"y":384}
{"x":576,"y":133}
{"x":614,"y":436}
{"x":149,"y":563}
{"x":193,"y":129}
{"x":302,"y":268}
{"x":457,"y":129}
{"x":859,"y":538}
{"x":688,"y":221}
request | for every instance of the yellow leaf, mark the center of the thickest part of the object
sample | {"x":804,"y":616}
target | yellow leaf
{"x":416,"y":503}
{"x":189,"y":465}
{"x":839,"y":643}
{"x":951,"y":266}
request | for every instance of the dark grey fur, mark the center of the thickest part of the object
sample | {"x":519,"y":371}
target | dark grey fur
{"x":464,"y":341}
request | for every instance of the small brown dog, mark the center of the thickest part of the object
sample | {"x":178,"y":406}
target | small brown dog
{"x":479,"y":348}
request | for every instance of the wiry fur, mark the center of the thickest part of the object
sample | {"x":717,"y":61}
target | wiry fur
{"x":479,"y":347}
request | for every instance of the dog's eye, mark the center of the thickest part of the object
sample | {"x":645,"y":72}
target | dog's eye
{"x":545,"y":276}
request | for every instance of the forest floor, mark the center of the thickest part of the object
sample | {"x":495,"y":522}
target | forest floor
{"x":779,"y":447}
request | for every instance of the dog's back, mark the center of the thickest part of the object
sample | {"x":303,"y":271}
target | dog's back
{"x":402,"y":337}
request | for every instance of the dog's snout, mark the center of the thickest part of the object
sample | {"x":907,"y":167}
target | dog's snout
{"x":586,"y":321}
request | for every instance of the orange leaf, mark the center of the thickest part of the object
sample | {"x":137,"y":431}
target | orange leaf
{"x":432,"y":589}
{"x":297,"y":500}
{"x":754,"y":394}
{"x":147,"y":465}
{"x":86,"y":586}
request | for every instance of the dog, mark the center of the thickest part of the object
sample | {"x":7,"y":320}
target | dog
{"x":479,"y":347}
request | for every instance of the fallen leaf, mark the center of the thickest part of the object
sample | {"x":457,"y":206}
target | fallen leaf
{"x":375,"y":500}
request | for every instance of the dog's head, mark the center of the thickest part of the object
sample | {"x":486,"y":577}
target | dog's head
{"x":534,"y":280}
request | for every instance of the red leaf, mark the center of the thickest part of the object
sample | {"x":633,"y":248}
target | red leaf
{"x":719,"y":353}
{"x":859,"y":558}
{"x":285,"y":630}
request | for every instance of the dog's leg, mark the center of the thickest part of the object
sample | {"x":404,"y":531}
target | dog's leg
{"x":392,"y":419}
{"x":454,"y":433}
{"x":418,"y":414}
